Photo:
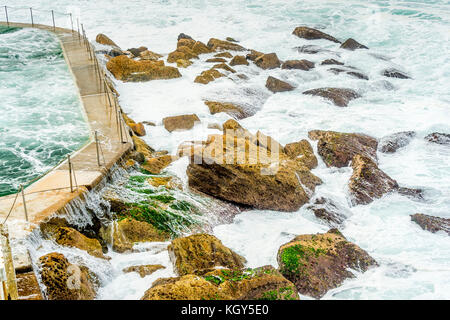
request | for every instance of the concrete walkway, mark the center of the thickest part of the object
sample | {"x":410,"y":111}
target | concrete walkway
{"x":52,"y":192}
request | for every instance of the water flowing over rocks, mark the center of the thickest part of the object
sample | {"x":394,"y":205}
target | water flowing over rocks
{"x":339,"y":96}
{"x":338,"y":149}
{"x":439,"y":138}
{"x":312,"y":34}
{"x":316,"y":263}
{"x":326,"y":210}
{"x":395,"y":141}
{"x":394,"y":73}
{"x":276,"y":85}
{"x":352,"y":44}
{"x":431,"y":223}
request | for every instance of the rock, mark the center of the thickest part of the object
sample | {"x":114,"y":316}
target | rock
{"x":105,"y":40}
{"x":149,"y":123}
{"x":255,"y":177}
{"x":199,"y":253}
{"x":137,"y":51}
{"x":183,"y":122}
{"x":242,"y":76}
{"x":268,"y":143}
{"x":167,"y":182}
{"x":298,"y":64}
{"x":302,"y":152}
{"x":126,"y":69}
{"x":394,"y":73}
{"x":65,"y":281}
{"x":126,"y":232}
{"x":439,"y":138}
{"x":358,"y":75}
{"x":183,"y":36}
{"x":182,"y":52}
{"x":352,"y":44}
{"x":144,"y":270}
{"x":149,"y":55}
{"x":186,"y":43}
{"x":276,"y":85}
{"x":231,"y":39}
{"x":70,"y":237}
{"x":268,"y":61}
{"x":253,"y":55}
{"x":310,"y":49}
{"x":368,"y":182}
{"x":412,"y":193}
{"x":231,"y":109}
{"x":138,"y":129}
{"x":316,"y":263}
{"x":431,"y":223}
{"x":209,"y":75}
{"x":339,"y":96}
{"x":326,"y":210}
{"x":216,"y":60}
{"x":239,"y":60}
{"x":216,"y":126}
{"x":156,"y":165}
{"x":338,"y":149}
{"x":182,"y":63}
{"x":225,"y":67}
{"x":141,"y":147}
{"x":218,"y":45}
{"x":200,"y":48}
{"x":312,"y":34}
{"x":395,"y":141}
{"x":224,"y":55}
{"x":331,"y":61}
{"x":27,"y":286}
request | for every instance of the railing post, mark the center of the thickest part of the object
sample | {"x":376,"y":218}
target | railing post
{"x":120,"y":125}
{"x":70,"y":172}
{"x":31,"y":13}
{"x":71,"y":22}
{"x":53,"y":19}
{"x":78,"y":28}
{"x":6,"y":13}
{"x":24,"y":203}
{"x":96,"y":145}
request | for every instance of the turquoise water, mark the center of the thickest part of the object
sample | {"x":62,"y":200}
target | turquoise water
{"x":41,"y":119}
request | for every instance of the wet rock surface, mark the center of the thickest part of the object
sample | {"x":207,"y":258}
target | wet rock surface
{"x":394,"y":73}
{"x":339,"y":96}
{"x":439,"y":138}
{"x":183,"y":122}
{"x":326,"y":210}
{"x":305,"y":65}
{"x":313,"y":34}
{"x":395,"y":141}
{"x":431,"y":223}
{"x":276,"y":85}
{"x":268,"y":61}
{"x":352,"y":44}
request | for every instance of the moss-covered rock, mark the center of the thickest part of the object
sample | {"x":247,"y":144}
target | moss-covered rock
{"x":138,"y":129}
{"x":316,"y":263}
{"x":302,"y":152}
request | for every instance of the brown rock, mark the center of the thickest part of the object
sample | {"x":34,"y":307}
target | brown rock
{"x":368,"y":182}
{"x":239,"y":60}
{"x":253,"y":55}
{"x":225,"y":67}
{"x":183,"y":122}
{"x":168,"y":182}
{"x":231,"y":39}
{"x":209,"y":75}
{"x":216,"y":60}
{"x":136,"y":52}
{"x":200,"y":48}
{"x":431,"y":223}
{"x":338,"y":149}
{"x":298,"y":64}
{"x":104,"y":39}
{"x":331,"y":61}
{"x":65,"y":281}
{"x":182,"y":63}
{"x":439,"y":138}
{"x":302,"y":152}
{"x":339,"y":96}
{"x":156,"y":165}
{"x":126,"y":69}
{"x":276,"y":85}
{"x":395,"y":141}
{"x":221,"y":45}
{"x":144,"y":270}
{"x":316,"y":263}
{"x":268,"y":61}
{"x":224,"y":55}
{"x":149,"y":55}
{"x":231,"y":109}
{"x":199,"y":253}
{"x":183,"y":42}
{"x":312,"y":34}
{"x":394,"y":73}
{"x":138,"y":129}
{"x":326,"y":210}
{"x":352,"y":44}
{"x":141,"y":147}
{"x":268,"y":143}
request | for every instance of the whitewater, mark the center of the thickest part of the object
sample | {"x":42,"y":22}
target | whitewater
{"x":411,"y":36}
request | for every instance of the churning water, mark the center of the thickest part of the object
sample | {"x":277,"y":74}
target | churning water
{"x":409,"y":35}
{"x":41,"y":119}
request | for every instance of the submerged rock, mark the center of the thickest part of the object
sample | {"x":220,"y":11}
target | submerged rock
{"x":126,"y":69}
{"x":395,"y":141}
{"x":394,"y":73}
{"x":65,"y":281}
{"x":439,"y":138}
{"x":268,"y":61}
{"x":239,"y":60}
{"x":231,"y":109}
{"x":326,"y":210}
{"x":200,"y":253}
{"x":302,"y":152}
{"x":368,"y":182}
{"x":338,"y":149}
{"x":183,"y":122}
{"x":298,"y":64}
{"x":276,"y":85}
{"x":339,"y":96}
{"x":312,"y":34}
{"x":431,"y":223}
{"x":216,"y":44}
{"x":144,"y":270}
{"x":352,"y":44}
{"x":331,"y":61}
{"x":316,"y":263}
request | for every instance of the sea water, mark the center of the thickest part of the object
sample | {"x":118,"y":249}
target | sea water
{"x":41,"y":117}
{"x":411,"y":36}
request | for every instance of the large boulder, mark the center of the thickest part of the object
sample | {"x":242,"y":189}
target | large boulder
{"x":126,"y":69}
{"x":180,"y":123}
{"x":276,"y":85}
{"x":395,"y":141}
{"x":200,"y":253}
{"x":316,"y":263}
{"x":298,"y":64}
{"x":65,"y":281}
{"x":268,"y":61}
{"x":302,"y":152}
{"x":222,"y":45}
{"x":352,"y":44}
{"x":231,"y":109}
{"x":439,"y":138}
{"x":235,"y":168}
{"x":431,"y":223}
{"x":239,"y":60}
{"x":337,"y":149}
{"x":312,"y":34}
{"x":339,"y":96}
{"x":368,"y":182}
